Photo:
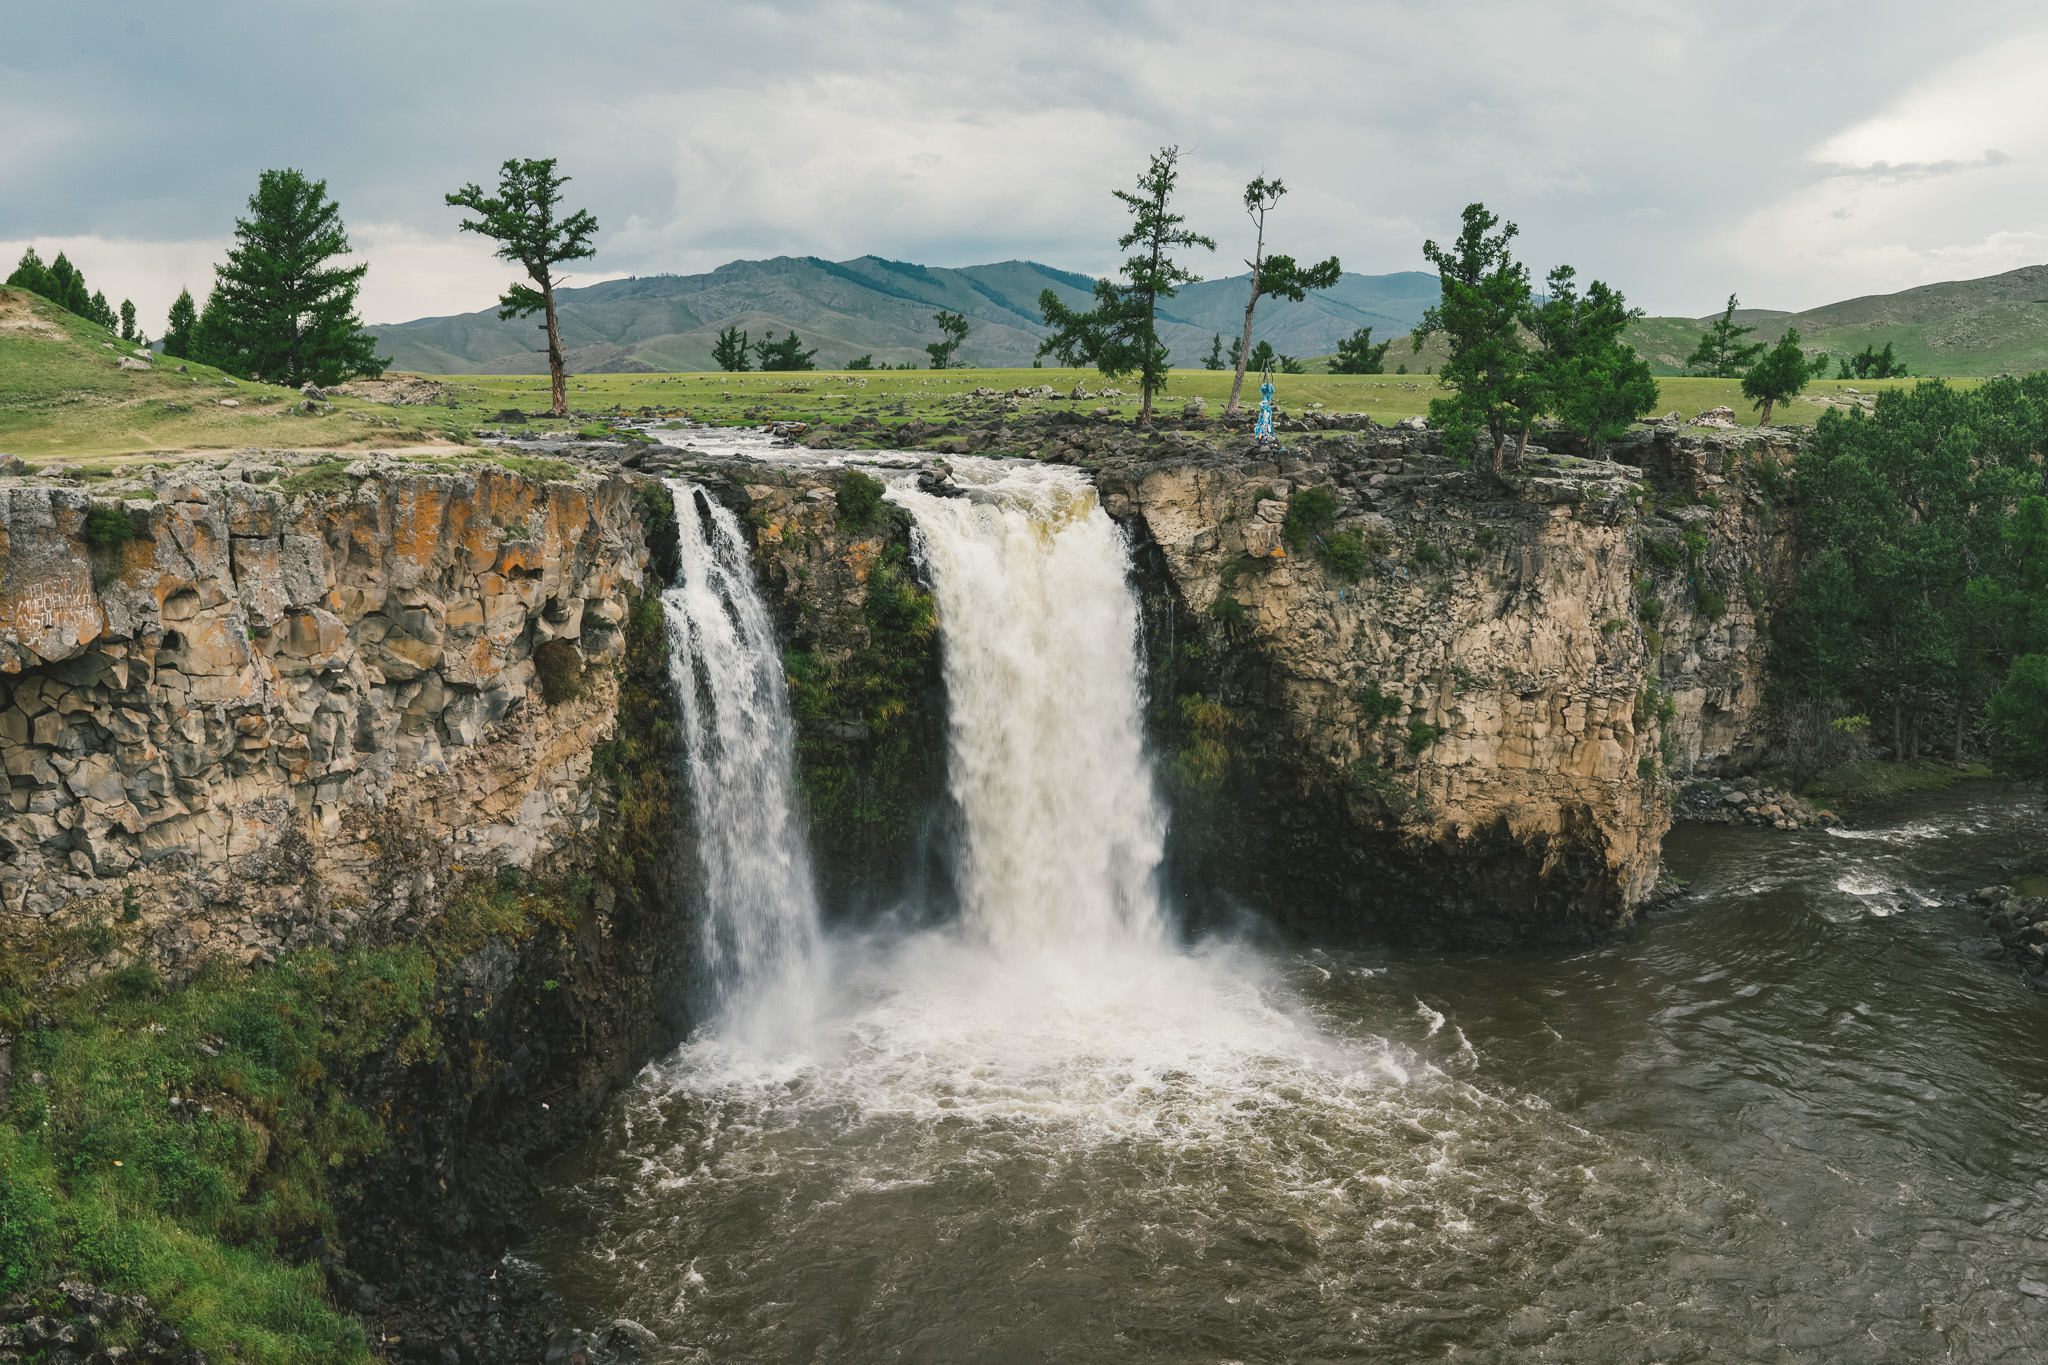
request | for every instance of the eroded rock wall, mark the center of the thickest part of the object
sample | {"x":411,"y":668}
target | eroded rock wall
{"x":1474,"y":740}
{"x":263,"y":720}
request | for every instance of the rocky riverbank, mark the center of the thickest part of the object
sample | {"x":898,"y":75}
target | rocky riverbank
{"x":1749,"y":801}
{"x":2021,"y":926}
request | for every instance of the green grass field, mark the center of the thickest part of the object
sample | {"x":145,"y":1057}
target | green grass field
{"x":65,"y":399}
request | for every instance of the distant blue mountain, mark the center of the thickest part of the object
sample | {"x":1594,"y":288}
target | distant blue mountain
{"x":869,"y":305}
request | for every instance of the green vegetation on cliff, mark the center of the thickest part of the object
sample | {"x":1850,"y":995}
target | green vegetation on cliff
{"x":855,"y":745}
{"x":179,"y":1142}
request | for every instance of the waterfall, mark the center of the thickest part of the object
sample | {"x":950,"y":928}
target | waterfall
{"x":1062,"y":829}
{"x":760,"y":923}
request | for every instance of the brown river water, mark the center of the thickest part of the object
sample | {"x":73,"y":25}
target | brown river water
{"x":1794,"y":1118}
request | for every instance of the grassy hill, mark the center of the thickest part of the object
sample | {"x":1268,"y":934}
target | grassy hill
{"x":872,"y":306}
{"x":1994,"y":325}
{"x":65,"y":396}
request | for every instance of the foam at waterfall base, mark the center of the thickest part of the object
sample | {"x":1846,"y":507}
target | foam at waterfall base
{"x":1137,"y":1041}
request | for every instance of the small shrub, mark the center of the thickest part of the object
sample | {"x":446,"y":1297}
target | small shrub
{"x":1470,"y":554}
{"x":1204,"y":760}
{"x":1712,"y":602}
{"x":328,"y":478}
{"x":1663,"y":551}
{"x":1378,"y":706}
{"x":1237,"y":568}
{"x":1650,"y":609}
{"x":511,"y":879}
{"x":860,"y":501}
{"x":1653,"y":640}
{"x":559,"y":668}
{"x":1612,"y":624}
{"x":1646,"y":767}
{"x":1227,"y":609}
{"x":1421,"y":734}
{"x":137,"y":981}
{"x":1426,"y":553}
{"x":1485,"y":538}
{"x":108,"y":526}
{"x":517,"y":530}
{"x":1344,"y":552}
{"x":131,"y":905}
{"x":1753,"y":590}
{"x":1695,"y":544}
{"x":1309,"y":512}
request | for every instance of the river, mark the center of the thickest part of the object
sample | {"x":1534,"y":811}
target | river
{"x":1795,"y":1117}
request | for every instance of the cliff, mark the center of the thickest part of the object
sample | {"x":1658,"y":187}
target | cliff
{"x":1402,"y":702}
{"x":398,"y":727}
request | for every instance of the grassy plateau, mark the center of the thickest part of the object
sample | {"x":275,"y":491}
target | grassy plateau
{"x":65,"y":398}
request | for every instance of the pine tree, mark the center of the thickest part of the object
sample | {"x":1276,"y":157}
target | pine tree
{"x":1120,"y":335}
{"x":127,"y":319}
{"x":1356,"y":354}
{"x":954,"y":327}
{"x":178,"y":327}
{"x":521,"y":219}
{"x":30,"y":273}
{"x":786,"y":354}
{"x":1214,"y":360}
{"x":1275,"y":275}
{"x":1722,"y":352}
{"x":1780,"y":376}
{"x":102,"y":312}
{"x":731,"y":350}
{"x":1484,"y":300}
{"x":1593,"y":381}
{"x":279,"y":308}
{"x":67,"y":287}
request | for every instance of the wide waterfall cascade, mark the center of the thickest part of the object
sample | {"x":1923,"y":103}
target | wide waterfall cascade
{"x":1047,"y":760}
{"x":760,"y":928}
{"x":1047,"y":1133}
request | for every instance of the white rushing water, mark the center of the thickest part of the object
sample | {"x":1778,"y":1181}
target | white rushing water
{"x":1047,"y":761}
{"x":761,"y":938}
{"x":1057,"y":997}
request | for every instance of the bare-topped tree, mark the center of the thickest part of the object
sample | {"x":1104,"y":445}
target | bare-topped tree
{"x":521,"y":218}
{"x":1275,"y":275}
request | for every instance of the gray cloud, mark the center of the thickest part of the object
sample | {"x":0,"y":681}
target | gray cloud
{"x":1630,"y":137}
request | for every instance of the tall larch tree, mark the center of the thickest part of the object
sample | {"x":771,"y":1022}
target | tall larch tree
{"x":521,"y":218}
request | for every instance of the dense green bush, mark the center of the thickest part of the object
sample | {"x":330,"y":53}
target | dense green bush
{"x":1227,"y":609}
{"x":1309,"y":512}
{"x":559,"y":669}
{"x":1377,"y":706}
{"x":861,"y":507}
{"x":107,"y":526}
{"x":1344,"y":552}
{"x":1421,"y":734}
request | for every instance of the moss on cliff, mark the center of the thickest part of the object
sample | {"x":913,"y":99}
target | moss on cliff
{"x":858,"y":755}
{"x":173,"y":1142}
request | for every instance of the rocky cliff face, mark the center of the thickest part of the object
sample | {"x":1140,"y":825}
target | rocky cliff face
{"x":1446,"y":711}
{"x":241,"y":720}
{"x":284,"y":704}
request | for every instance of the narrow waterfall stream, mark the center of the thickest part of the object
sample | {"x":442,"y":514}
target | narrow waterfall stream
{"x":1791,"y":1122}
{"x":760,"y":944}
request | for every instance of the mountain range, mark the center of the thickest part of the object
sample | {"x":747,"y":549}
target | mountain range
{"x":869,"y":305}
{"x":883,"y":308}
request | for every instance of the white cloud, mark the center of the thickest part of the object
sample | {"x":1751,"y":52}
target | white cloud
{"x":1944,"y":183}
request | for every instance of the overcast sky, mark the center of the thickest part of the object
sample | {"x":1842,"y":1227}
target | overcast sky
{"x":1798,"y":153}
